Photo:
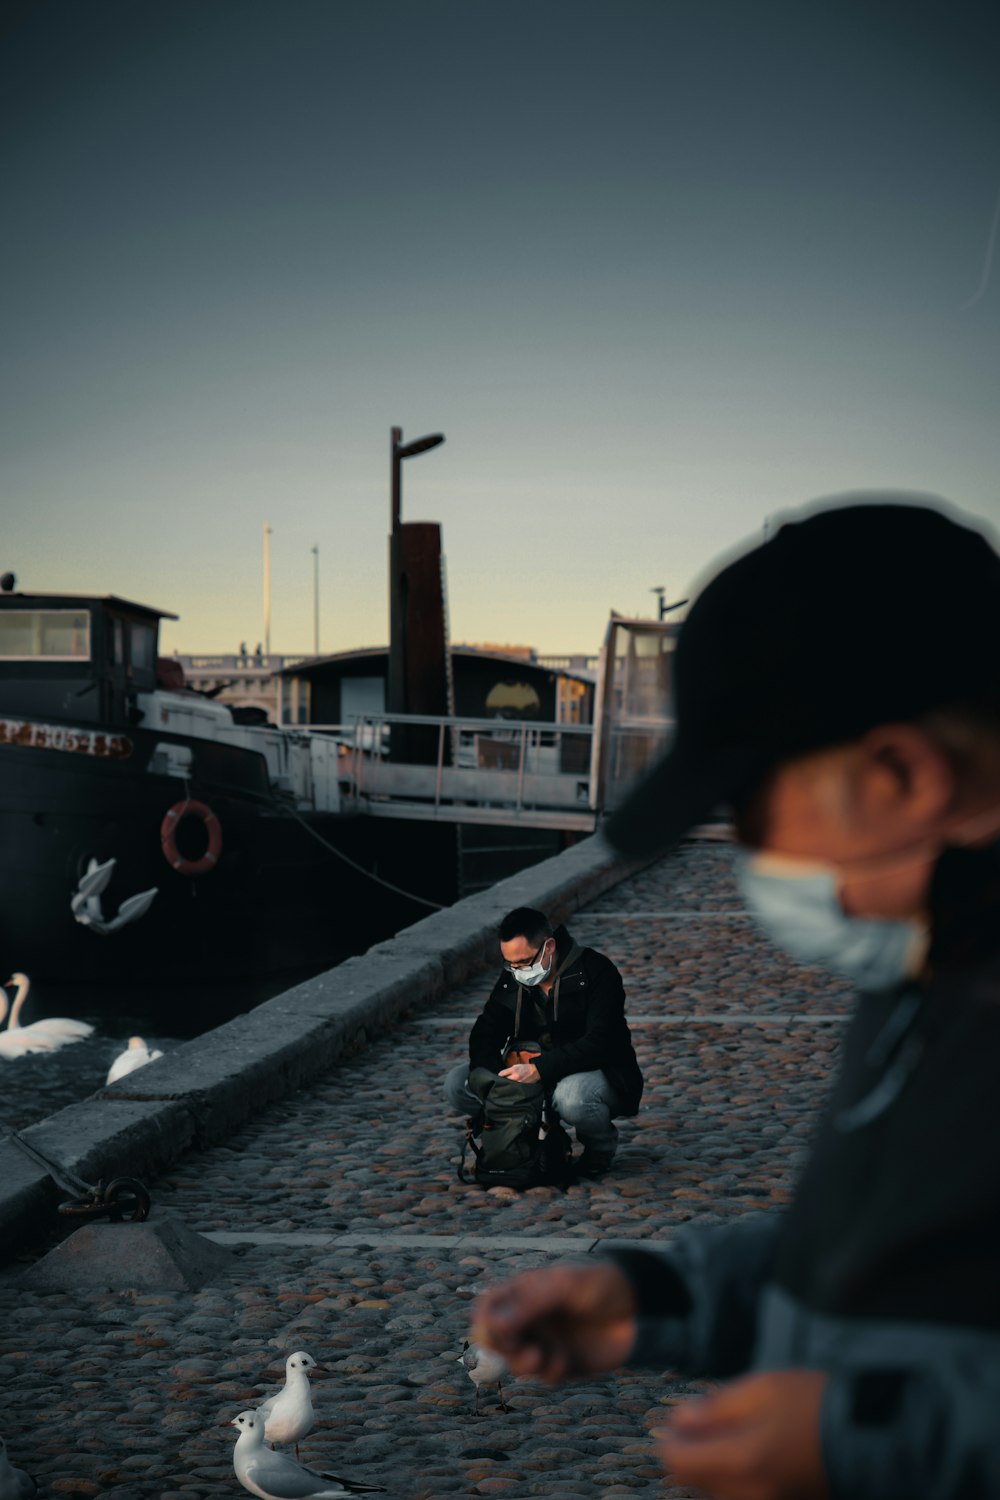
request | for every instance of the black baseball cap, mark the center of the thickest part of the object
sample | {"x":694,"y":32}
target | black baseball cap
{"x":873,"y":610}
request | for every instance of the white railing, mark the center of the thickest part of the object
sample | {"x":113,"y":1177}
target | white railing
{"x":468,"y":769}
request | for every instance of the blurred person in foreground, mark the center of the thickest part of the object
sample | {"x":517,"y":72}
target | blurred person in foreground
{"x":839,"y":688}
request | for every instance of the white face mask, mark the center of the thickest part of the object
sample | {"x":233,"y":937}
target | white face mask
{"x":799,"y":906}
{"x":535,"y":972}
{"x":798,"y":902}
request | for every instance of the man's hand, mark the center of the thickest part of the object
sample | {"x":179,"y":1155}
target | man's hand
{"x":522,"y":1073}
{"x":755,"y":1439}
{"x":558,"y":1322}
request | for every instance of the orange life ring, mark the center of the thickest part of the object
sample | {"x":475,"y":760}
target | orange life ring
{"x":168,"y":837}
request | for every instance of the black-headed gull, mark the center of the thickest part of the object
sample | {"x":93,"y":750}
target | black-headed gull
{"x":276,"y":1476}
{"x":484,"y":1367}
{"x":288,"y":1414}
{"x":15,"y":1484}
{"x":136,"y":1055}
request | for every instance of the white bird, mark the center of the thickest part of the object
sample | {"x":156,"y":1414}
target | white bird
{"x":484,"y":1367}
{"x":276,"y":1476}
{"x":136,"y":1055}
{"x":288,"y":1414}
{"x":15,"y":1484}
{"x":86,"y":903}
{"x":55,"y":1031}
{"x":18,"y":1043}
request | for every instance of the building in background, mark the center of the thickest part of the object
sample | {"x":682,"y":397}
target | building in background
{"x":248,"y":681}
{"x":303,"y":689}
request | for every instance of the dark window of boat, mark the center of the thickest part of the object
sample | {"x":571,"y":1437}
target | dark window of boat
{"x":117,"y":641}
{"x":142,"y":647}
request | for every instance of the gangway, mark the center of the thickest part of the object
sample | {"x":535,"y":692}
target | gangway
{"x":523,"y":773}
{"x":500,"y":771}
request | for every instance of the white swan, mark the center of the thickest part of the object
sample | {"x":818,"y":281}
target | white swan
{"x":136,"y":1055}
{"x":19,"y":1043}
{"x":55,"y":1031}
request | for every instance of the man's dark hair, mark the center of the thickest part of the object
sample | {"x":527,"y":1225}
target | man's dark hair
{"x":526,"y":922}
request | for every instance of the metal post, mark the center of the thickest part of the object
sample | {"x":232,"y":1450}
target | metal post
{"x":520,"y":768}
{"x":267,"y":589}
{"x":440,"y":768}
{"x":315,"y":552}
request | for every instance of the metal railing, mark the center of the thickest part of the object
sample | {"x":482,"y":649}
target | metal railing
{"x":468,"y":769}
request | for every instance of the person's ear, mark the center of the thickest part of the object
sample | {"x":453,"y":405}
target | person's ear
{"x":904,"y":776}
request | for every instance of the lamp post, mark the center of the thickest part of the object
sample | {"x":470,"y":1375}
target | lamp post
{"x":400,"y":450}
{"x":267,"y":589}
{"x":419,"y":675}
{"x":315,"y":553}
{"x":664,"y":607}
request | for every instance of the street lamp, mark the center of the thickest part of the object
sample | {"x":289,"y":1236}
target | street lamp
{"x":315,"y":553}
{"x":665,"y":608}
{"x":399,"y":451}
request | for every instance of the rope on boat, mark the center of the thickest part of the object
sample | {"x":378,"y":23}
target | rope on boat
{"x":420,"y":900}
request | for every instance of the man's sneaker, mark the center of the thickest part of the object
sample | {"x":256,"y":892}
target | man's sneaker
{"x":595,"y":1163}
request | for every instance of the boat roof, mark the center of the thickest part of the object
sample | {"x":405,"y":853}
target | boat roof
{"x":306,"y":664}
{"x":113,"y":601}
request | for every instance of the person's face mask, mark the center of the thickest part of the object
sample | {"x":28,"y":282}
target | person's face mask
{"x":534,"y":973}
{"x":797,"y":902}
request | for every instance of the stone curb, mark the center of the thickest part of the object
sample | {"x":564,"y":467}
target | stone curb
{"x":202,"y":1090}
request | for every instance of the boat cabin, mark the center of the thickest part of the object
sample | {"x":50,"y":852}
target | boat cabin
{"x":70,"y":657}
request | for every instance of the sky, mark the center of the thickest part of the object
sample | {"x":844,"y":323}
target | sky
{"x":660,"y":272}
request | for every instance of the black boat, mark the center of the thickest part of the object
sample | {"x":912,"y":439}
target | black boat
{"x":144,"y":831}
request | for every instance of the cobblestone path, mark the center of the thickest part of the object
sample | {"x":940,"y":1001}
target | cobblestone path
{"x":352,"y":1238}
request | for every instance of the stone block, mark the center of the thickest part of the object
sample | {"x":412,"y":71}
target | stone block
{"x":162,"y":1254}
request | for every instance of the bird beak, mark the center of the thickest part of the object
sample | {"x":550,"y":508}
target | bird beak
{"x":320,"y":1370}
{"x":228,"y":1423}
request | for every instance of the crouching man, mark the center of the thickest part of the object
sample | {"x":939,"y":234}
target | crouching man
{"x":567,"y":1004}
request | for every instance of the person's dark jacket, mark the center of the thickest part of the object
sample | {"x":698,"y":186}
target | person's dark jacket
{"x":885,"y":1271}
{"x":587,"y":1031}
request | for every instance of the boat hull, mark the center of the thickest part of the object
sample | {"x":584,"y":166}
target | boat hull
{"x":277,"y":898}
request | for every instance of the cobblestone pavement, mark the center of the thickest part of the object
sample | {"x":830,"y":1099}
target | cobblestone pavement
{"x":343,"y":1209}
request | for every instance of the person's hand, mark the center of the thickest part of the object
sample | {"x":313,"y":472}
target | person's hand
{"x":561,"y":1321}
{"x":521,"y":1073}
{"x":755,"y":1439}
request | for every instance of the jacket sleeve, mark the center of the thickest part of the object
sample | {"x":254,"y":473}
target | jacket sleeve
{"x":605,"y":1020}
{"x":931,"y":1431}
{"x":698,"y":1299}
{"x":491,"y":1030}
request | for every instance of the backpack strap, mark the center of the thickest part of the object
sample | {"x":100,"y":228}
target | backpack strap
{"x":571,"y":957}
{"x":477,"y":1152}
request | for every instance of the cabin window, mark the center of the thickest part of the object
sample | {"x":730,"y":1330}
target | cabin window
{"x":47,"y":634}
{"x":143,"y":648}
{"x":117,"y":642}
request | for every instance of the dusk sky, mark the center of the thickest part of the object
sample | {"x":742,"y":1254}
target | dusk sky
{"x":659,"y":271}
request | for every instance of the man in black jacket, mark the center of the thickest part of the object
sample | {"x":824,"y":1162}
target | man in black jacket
{"x":839,"y":687}
{"x":571,"y":1002}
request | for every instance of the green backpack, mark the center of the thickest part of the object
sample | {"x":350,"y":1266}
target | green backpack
{"x":521,"y":1142}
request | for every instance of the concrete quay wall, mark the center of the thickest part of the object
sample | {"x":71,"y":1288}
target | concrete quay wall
{"x":205,"y":1088}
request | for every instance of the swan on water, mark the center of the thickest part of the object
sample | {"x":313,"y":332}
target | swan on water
{"x":20,"y":1042}
{"x":40,"y":1036}
{"x":136,"y":1055}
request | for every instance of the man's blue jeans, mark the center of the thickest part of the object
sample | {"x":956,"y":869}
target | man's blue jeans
{"x":584,"y":1100}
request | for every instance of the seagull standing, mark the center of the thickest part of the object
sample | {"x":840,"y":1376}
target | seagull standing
{"x":136,"y":1055}
{"x":288,"y":1415}
{"x":15,"y":1484}
{"x":275,"y":1476}
{"x":484,"y":1367}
